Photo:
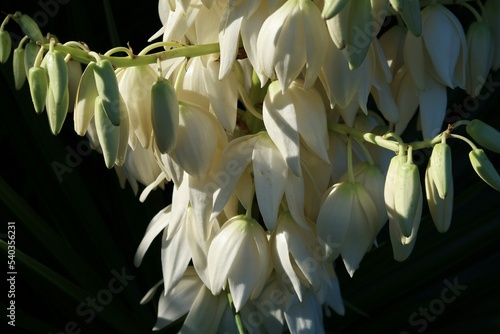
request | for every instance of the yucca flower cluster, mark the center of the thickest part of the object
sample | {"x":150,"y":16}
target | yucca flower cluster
{"x":258,"y":112}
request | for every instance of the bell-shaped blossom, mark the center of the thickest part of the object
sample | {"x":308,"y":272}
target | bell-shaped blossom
{"x":392,"y":42}
{"x":297,"y":22}
{"x":347,"y":223}
{"x":406,"y":96}
{"x":135,"y":86}
{"x":239,"y":258}
{"x":271,"y":176}
{"x":295,"y":114}
{"x":295,"y":254}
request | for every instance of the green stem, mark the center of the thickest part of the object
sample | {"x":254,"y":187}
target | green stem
{"x":185,"y":51}
{"x":120,"y":49}
{"x":365,"y":150}
{"x":381,"y":141}
{"x":237,"y":317}
{"x":473,"y":11}
{"x":5,"y":21}
{"x":467,"y":140}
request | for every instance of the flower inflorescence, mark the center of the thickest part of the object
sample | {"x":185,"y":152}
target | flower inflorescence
{"x":258,"y":113}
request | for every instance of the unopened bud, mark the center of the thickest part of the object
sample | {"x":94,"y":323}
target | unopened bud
{"x":107,"y":88}
{"x":85,"y":100}
{"x":485,"y":135}
{"x":484,"y":168}
{"x":5,"y":46}
{"x":56,"y":110}
{"x":440,"y":168}
{"x":18,"y":68}
{"x":30,"y":53}
{"x":58,"y":74}
{"x":332,"y":8}
{"x":108,"y":134}
{"x":165,"y":114}
{"x":29,"y":27}
{"x":407,"y":193}
{"x":39,"y":86}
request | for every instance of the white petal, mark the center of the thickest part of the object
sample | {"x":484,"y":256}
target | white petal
{"x":157,"y":224}
{"x":433,"y":102}
{"x":235,"y":158}
{"x":316,"y":39}
{"x":270,"y":175}
{"x":281,"y":124}
{"x":305,"y":316}
{"x":229,"y":32}
{"x":414,"y":58}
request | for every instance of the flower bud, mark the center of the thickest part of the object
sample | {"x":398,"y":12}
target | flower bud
{"x":484,"y":135}
{"x":484,"y":168}
{"x":56,"y":110}
{"x":85,"y":100}
{"x":481,"y":48}
{"x":407,"y":191}
{"x":30,"y":54}
{"x":165,"y":114}
{"x":58,"y":74}
{"x":332,"y":8}
{"x":39,"y":86}
{"x":108,"y":134}
{"x":5,"y":46}
{"x":440,"y":168}
{"x":29,"y":27}
{"x":410,"y":12}
{"x":18,"y":68}
{"x":107,"y":88}
{"x":441,"y":209}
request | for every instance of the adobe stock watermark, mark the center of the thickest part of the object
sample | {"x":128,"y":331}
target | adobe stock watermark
{"x":88,"y":309}
{"x":48,"y":9}
{"x":421,"y":318}
{"x":73,"y":159}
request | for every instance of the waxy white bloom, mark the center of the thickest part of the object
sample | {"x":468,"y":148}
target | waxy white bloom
{"x":135,"y":86}
{"x":480,"y":45}
{"x":291,"y":37}
{"x":347,"y":223}
{"x":295,"y":251}
{"x":239,"y":258}
{"x":295,"y":114}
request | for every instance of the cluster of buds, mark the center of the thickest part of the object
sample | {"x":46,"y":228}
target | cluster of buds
{"x":259,"y":115}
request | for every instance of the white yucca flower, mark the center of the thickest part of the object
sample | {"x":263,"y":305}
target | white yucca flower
{"x":296,"y":23}
{"x":239,"y":258}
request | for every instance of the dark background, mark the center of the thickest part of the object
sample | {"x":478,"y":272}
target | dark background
{"x":82,"y":228}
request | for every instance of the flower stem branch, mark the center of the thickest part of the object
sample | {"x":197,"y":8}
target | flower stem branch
{"x":237,"y":317}
{"x":185,"y":51}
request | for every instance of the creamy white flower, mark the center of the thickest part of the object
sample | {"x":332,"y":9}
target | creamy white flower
{"x":294,"y":114}
{"x":296,"y":23}
{"x":295,"y":253}
{"x":480,"y":45}
{"x":347,"y":223}
{"x":239,"y":257}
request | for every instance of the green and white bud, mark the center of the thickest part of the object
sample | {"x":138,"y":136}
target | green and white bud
{"x":38,"y":81}
{"x":164,"y":114}
{"x":108,"y":134}
{"x":107,"y":88}
{"x":18,"y":68}
{"x":481,"y":47}
{"x":5,"y":46}
{"x":441,"y":209}
{"x":410,"y":12}
{"x":407,"y":191}
{"x":58,"y":74}
{"x":332,"y":8}
{"x":484,"y":168}
{"x":30,"y":53}
{"x":85,"y":100}
{"x":484,"y":134}
{"x":56,"y":109}
{"x":29,"y":27}
{"x":440,"y":168}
